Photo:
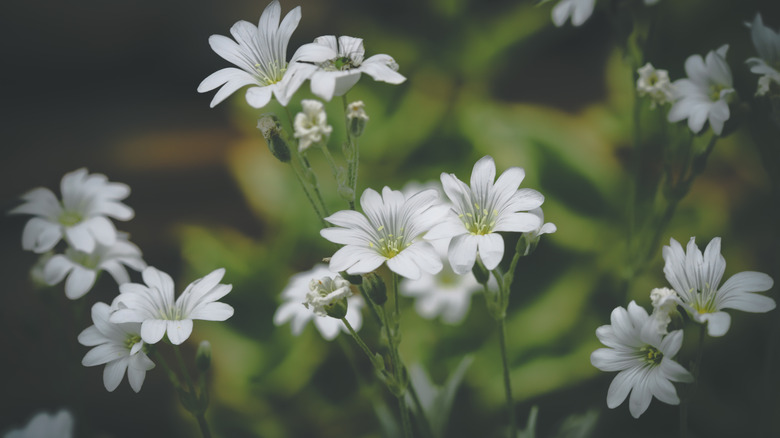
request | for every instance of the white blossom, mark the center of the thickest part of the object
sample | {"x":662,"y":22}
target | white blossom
{"x":664,"y":302}
{"x":644,"y":358}
{"x":260,"y":53}
{"x":767,"y":44}
{"x":325,"y":292}
{"x":81,"y":217}
{"x":357,"y":110}
{"x":118,"y":346}
{"x":153,"y":306}
{"x":311,"y":125}
{"x":704,"y":94}
{"x":45,"y":425}
{"x":293,"y":311}
{"x":695,"y":278}
{"x":481,"y":211}
{"x":335,"y":66}
{"x":655,"y":84}
{"x":578,"y":10}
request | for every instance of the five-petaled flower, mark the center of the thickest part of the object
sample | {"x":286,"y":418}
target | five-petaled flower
{"x":311,"y":124}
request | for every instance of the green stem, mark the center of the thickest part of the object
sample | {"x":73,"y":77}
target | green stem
{"x":308,"y":195}
{"x":199,"y":416}
{"x":398,"y":367}
{"x":184,"y":370}
{"x":692,"y":390}
{"x":321,"y":209}
{"x":171,"y":374}
{"x":510,"y":404}
{"x":353,"y":158}
{"x":359,"y":340}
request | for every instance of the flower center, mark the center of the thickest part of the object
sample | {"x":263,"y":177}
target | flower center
{"x":389,"y":244}
{"x":651,"y":355}
{"x":70,"y":218}
{"x":87,"y":260}
{"x":132,"y":340}
{"x":704,"y":300}
{"x":270,"y":73}
{"x":479,"y":220}
{"x":339,"y":64}
{"x":715,"y":90}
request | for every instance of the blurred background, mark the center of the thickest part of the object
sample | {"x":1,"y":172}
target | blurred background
{"x":111,"y":86}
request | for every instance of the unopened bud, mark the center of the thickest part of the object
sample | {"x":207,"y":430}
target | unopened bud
{"x":357,"y":117}
{"x":354,"y":279}
{"x":480,"y":273}
{"x":272,"y":131}
{"x":375,"y":288}
{"x":203,"y":356}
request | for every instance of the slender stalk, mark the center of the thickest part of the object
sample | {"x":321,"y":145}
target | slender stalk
{"x":398,"y":367}
{"x":510,"y":404}
{"x":321,"y":209}
{"x":199,"y":416}
{"x":358,"y":339}
{"x":692,"y":390}
{"x":171,"y":374}
{"x":353,"y":158}
{"x":308,"y":195}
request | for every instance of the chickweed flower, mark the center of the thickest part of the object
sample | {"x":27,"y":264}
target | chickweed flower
{"x":644,"y":358}
{"x":767,"y":44}
{"x":578,"y":10}
{"x":695,"y":278}
{"x":334,"y":66}
{"x":293,"y":310}
{"x":311,"y":125}
{"x":327,"y":296}
{"x":153,"y":306}
{"x":479,"y":212}
{"x":81,"y":217}
{"x":44,"y":425}
{"x":118,"y":346}
{"x":82,"y":268}
{"x":655,"y":84}
{"x":389,"y":231}
{"x":704,"y":94}
{"x":260,"y":54}
{"x":357,"y":117}
{"x":665,"y":303}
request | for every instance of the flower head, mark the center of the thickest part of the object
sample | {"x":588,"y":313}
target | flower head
{"x":327,"y":296}
{"x":767,"y":44}
{"x":665,"y":303}
{"x":356,"y":118}
{"x":644,"y":358}
{"x":82,"y":268}
{"x":578,"y":10}
{"x":654,"y":84}
{"x":153,"y":306}
{"x":118,"y":346}
{"x":389,"y":232}
{"x":335,"y":66}
{"x":260,"y":53}
{"x":44,"y":425}
{"x":479,"y":212}
{"x":311,"y":125}
{"x":81,"y":217}
{"x":695,"y":278}
{"x":703,"y":95}
{"x":294,"y":311}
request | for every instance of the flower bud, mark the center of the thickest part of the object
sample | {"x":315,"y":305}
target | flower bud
{"x":374,"y":287}
{"x":357,"y":118}
{"x":480,"y":273}
{"x":203,"y":356}
{"x":354,"y":279}
{"x":272,"y":131}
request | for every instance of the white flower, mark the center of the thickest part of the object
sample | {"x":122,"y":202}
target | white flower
{"x":44,"y":425}
{"x":655,"y":84}
{"x":644,"y":358}
{"x":82,"y":216}
{"x":82,"y":268}
{"x":578,"y":10}
{"x":357,"y":110}
{"x":664,"y":302}
{"x":481,"y":211}
{"x":388,"y":231}
{"x":260,"y":52}
{"x":325,"y":292}
{"x":445,"y":294}
{"x":335,"y":67}
{"x":703,"y":95}
{"x":292,"y":309}
{"x":695,"y":278}
{"x":767,"y":43}
{"x":118,"y":346}
{"x":311,"y":125}
{"x":153,"y":306}
{"x":533,"y":236}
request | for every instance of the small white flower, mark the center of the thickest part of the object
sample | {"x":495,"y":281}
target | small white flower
{"x":644,"y":358}
{"x":388,"y":231}
{"x":334,"y":67}
{"x":325,"y":292}
{"x":654,"y":84}
{"x":578,"y":10}
{"x":695,"y":278}
{"x":357,"y":110}
{"x":118,"y":346}
{"x":44,"y":425}
{"x":479,"y":212}
{"x":664,"y":302}
{"x":534,"y":235}
{"x":152,"y":305}
{"x":292,"y":310}
{"x":81,"y":217}
{"x":703,"y":95}
{"x":260,"y":52}
{"x":767,"y":44}
{"x":82,"y":268}
{"x":311,"y":125}
{"x":445,"y":294}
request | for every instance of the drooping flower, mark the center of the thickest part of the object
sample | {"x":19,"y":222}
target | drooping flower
{"x":578,"y":10}
{"x":334,"y":67}
{"x":704,"y":94}
{"x":446,"y":294}
{"x":695,"y":278}
{"x":356,"y":118}
{"x":153,"y":306}
{"x":479,"y":212}
{"x":260,"y":53}
{"x":767,"y":44}
{"x":82,"y":268}
{"x":45,"y":425}
{"x":81,"y":217}
{"x":389,"y":231}
{"x":118,"y":346}
{"x":327,"y":296}
{"x":655,"y":84}
{"x":644,"y":358}
{"x":532,"y":237}
{"x":665,"y":303}
{"x":292,"y":309}
{"x":311,"y":125}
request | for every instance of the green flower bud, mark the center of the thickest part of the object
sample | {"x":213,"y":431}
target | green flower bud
{"x":374,"y":287}
{"x":272,"y":131}
{"x":357,"y":118}
{"x":203,"y":356}
{"x":480,"y":272}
